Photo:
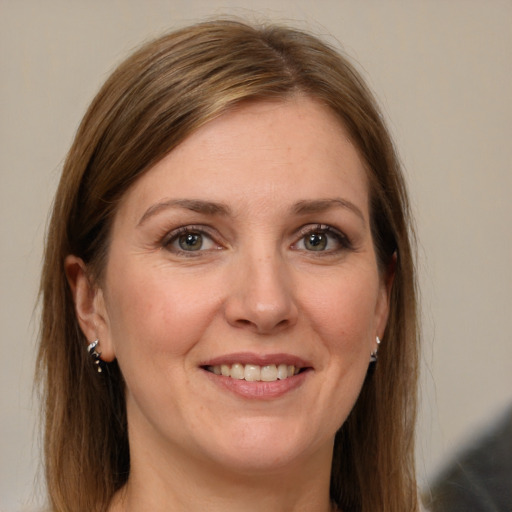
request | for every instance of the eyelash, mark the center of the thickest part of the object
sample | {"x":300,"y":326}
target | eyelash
{"x":340,"y":239}
{"x":176,"y":234}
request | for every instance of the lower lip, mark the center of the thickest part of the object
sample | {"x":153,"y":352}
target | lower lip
{"x":259,"y":389}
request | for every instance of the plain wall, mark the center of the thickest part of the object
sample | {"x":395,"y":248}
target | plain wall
{"x":442,"y":72}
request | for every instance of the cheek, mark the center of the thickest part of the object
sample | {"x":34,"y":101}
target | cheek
{"x":343,"y":313}
{"x":154,"y":312}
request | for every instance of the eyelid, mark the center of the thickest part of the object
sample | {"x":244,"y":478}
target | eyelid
{"x":341,"y":238}
{"x":173,"y":235}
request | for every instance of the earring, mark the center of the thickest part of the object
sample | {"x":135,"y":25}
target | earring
{"x":373,"y":355}
{"x":91,"y":350}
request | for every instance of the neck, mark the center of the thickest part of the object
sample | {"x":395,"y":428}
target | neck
{"x":182,"y":483}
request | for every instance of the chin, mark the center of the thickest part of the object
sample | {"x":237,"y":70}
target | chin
{"x":266,"y":445}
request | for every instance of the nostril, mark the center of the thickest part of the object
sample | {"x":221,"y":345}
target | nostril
{"x":261,"y":326}
{"x":261,"y":310}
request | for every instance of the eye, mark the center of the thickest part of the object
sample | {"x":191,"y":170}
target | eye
{"x":189,"y":239}
{"x":321,"y":238}
{"x":316,"y":241}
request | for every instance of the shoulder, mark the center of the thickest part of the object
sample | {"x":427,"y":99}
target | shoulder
{"x":478,"y":479}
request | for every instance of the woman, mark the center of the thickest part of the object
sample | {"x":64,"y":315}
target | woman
{"x":229,"y":244}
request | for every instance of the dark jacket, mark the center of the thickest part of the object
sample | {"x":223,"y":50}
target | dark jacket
{"x":480,"y":479}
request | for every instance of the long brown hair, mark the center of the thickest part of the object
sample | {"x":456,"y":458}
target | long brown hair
{"x":151,"y":103}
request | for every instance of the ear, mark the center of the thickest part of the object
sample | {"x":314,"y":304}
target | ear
{"x":383,"y":303}
{"x":90,"y":307}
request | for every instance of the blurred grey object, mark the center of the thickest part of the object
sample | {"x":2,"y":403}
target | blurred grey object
{"x":480,"y":478}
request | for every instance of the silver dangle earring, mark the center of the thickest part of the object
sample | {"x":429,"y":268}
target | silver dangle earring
{"x":373,"y":355}
{"x":91,"y":350}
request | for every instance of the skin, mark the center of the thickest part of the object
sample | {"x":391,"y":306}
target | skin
{"x":281,"y":172}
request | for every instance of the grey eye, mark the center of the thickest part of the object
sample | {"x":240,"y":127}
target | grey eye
{"x":316,"y":241}
{"x":191,"y":242}
{"x":322,"y":239}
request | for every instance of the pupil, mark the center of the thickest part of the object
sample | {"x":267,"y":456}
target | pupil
{"x":316,"y":241}
{"x":191,"y":242}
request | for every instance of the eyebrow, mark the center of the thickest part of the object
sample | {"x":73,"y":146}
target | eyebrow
{"x":303,"y":207}
{"x":321,"y":205}
{"x":195,"y":205}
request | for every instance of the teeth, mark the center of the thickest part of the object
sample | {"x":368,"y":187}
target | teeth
{"x":269,"y":373}
{"x":282,"y":371}
{"x":255,"y":373}
{"x":252,"y":372}
{"x":237,"y":372}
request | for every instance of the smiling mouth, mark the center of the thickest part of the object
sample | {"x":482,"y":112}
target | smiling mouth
{"x":255,"y":373}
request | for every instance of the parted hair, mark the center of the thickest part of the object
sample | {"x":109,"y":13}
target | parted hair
{"x":155,"y":99}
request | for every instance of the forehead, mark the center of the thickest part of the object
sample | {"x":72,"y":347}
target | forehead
{"x":268,"y":152}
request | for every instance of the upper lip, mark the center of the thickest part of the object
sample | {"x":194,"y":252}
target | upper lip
{"x":257,"y":359}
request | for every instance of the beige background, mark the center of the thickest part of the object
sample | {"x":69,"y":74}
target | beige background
{"x":442,"y":72}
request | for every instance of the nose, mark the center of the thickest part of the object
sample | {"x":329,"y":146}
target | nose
{"x":261,"y":295}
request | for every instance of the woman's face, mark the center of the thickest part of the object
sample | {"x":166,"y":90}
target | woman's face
{"x":241,"y":295}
